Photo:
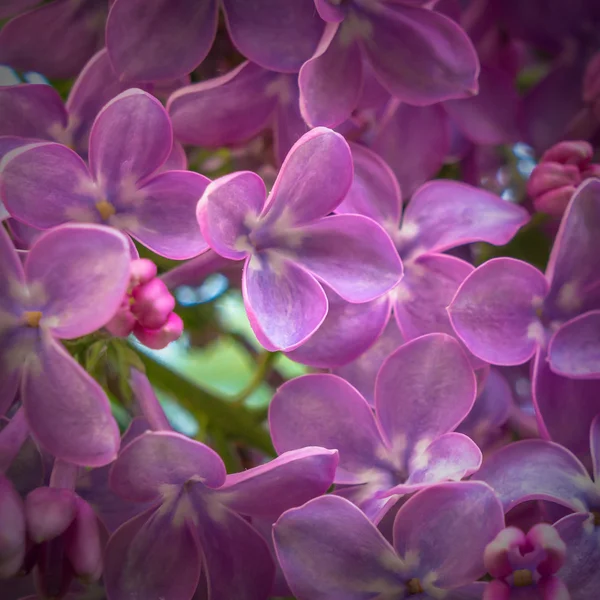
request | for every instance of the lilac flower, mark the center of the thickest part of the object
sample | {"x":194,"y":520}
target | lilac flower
{"x":419,"y":55}
{"x":329,"y":550}
{"x":197,"y":517}
{"x":45,"y":184}
{"x":506,"y":310}
{"x":210,"y":113}
{"x":55,"y":39}
{"x":67,"y":411}
{"x":423,"y":391}
{"x":537,"y":469}
{"x":525,"y":565}
{"x":168,"y":39}
{"x":289,"y":242}
{"x":440,"y":216}
{"x":37,"y":111}
{"x":12,"y":528}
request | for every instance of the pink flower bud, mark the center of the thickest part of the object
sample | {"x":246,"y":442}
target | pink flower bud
{"x":547,"y":537}
{"x":12,"y":530}
{"x":49,"y":512}
{"x":160,"y":338}
{"x":497,"y":555}
{"x":575,"y":152}
{"x":122,"y":324}
{"x":83,"y":544}
{"x":142,"y":271}
{"x":153,"y":303}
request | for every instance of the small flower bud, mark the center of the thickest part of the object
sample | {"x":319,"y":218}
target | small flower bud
{"x":84,"y":547}
{"x":153,"y":303}
{"x":160,"y":338}
{"x":49,"y":512}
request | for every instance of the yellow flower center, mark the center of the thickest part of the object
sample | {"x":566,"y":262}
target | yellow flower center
{"x":106,"y":209}
{"x":596,"y":514}
{"x":32,"y":318}
{"x":414,"y":587}
{"x":523,"y":578}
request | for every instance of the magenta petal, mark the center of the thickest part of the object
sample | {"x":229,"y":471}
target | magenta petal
{"x":15,"y":7}
{"x":352,"y":254}
{"x":423,"y":390}
{"x":331,"y":81}
{"x":328,"y":549}
{"x":347,"y":332}
{"x":428,"y":286}
{"x":143,"y":555}
{"x":575,"y":258}
{"x":13,"y":528}
{"x":537,"y":469}
{"x":279,"y":37}
{"x":227,"y":211}
{"x":46,"y":184}
{"x":414,"y":141}
{"x":31,"y":110}
{"x":67,"y":411}
{"x":163,"y":457}
{"x":95,"y":263}
{"x":362,"y":372}
{"x":419,"y":55}
{"x":55,"y":39}
{"x":289,"y":125}
{"x":324,"y":410}
{"x":130,"y":138}
{"x":375,"y":192}
{"x":285,"y":304}
{"x":237,"y":561}
{"x":12,"y":276}
{"x":287,"y":481}
{"x":177,"y":159}
{"x":580,"y":571}
{"x":49,"y":511}
{"x":491,"y":116}
{"x":433,"y":525}
{"x":84,"y":548}
{"x":164,"y":40}
{"x":165,"y":218}
{"x":305,"y":189}
{"x":210,"y":113}
{"x":494,"y":311}
{"x":444,"y":214}
{"x":574,"y":350}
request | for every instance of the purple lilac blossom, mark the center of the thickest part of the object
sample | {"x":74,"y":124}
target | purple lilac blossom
{"x":328,"y":549}
{"x":423,"y":391}
{"x":46,"y":184}
{"x":289,"y":242}
{"x":67,"y":411}
{"x":197,"y":516}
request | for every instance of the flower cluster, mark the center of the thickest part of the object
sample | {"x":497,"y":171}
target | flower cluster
{"x":403,"y":197}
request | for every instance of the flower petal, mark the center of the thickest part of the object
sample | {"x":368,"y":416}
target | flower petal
{"x":419,"y":55}
{"x":163,"y":457}
{"x":32,"y":111}
{"x":12,"y":276}
{"x":164,"y":220}
{"x":289,"y":125}
{"x":352,"y":254}
{"x":13,"y":541}
{"x":362,"y":372}
{"x":285,"y":304}
{"x":210,"y":113}
{"x":445,"y":214}
{"x":67,"y":411}
{"x":55,"y":39}
{"x":494,"y":311}
{"x":423,"y":390}
{"x":537,"y":469}
{"x":289,"y":480}
{"x":328,"y":549}
{"x":95,"y":264}
{"x":131,"y":137}
{"x":144,"y":553}
{"x":227,"y":210}
{"x":414,"y":141}
{"x":324,"y":410}
{"x":347,"y":332}
{"x":433,"y":525}
{"x":45,"y":184}
{"x":237,"y":561}
{"x":331,"y":81}
{"x":574,"y":350}
{"x":575,"y":258}
{"x":163,"y":40}
{"x":305,"y":189}
{"x":375,"y":192}
{"x":279,"y":37}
